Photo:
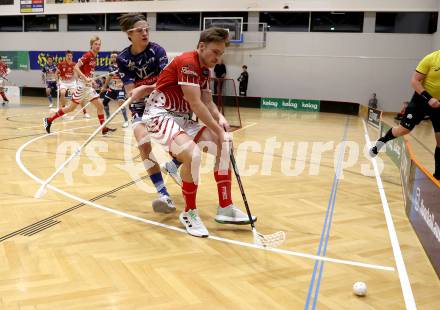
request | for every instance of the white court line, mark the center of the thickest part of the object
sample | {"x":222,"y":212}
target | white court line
{"x":401,"y":269}
{"x":133,"y":217}
{"x":65,"y":122}
{"x":245,"y":127}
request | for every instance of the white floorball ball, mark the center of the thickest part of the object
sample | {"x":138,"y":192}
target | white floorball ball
{"x":360,"y":289}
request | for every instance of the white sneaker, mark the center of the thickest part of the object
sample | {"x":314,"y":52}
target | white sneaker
{"x":171,"y":169}
{"x":163,"y":204}
{"x":193,"y":224}
{"x":125,"y":124}
{"x":50,"y":105}
{"x":232,"y":215}
{"x":86,"y":115}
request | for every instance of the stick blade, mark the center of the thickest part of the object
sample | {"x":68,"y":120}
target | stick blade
{"x":271,"y":241}
{"x":41,"y":192}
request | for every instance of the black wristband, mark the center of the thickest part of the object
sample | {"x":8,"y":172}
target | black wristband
{"x":426,"y":96}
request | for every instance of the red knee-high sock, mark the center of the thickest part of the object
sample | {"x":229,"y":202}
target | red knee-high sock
{"x":224,"y":188}
{"x":101,"y":118}
{"x":189,"y":191}
{"x":2,"y":93}
{"x":59,"y":113}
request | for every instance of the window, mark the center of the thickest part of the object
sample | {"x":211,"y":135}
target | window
{"x":286,"y":21}
{"x":228,"y":14}
{"x":85,"y":22}
{"x":112,"y":23}
{"x":337,"y":21}
{"x":406,"y":22}
{"x":178,"y":21}
{"x":41,"y":23}
{"x":11,"y":23}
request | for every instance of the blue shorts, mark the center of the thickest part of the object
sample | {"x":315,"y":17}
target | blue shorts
{"x":137,"y":111}
{"x":114,"y":94}
{"x":52,"y":85}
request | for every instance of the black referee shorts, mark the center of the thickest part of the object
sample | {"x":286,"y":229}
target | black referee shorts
{"x":417,"y":110}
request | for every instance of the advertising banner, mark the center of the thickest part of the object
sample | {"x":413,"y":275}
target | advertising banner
{"x":373,"y":117}
{"x":15,"y":60}
{"x":290,"y":104}
{"x":38,"y":59}
{"x":393,"y":147}
{"x":424,"y":215}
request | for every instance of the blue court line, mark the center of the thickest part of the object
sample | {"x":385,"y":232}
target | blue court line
{"x":327,"y":225}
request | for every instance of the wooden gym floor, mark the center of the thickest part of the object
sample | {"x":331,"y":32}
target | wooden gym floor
{"x":57,"y":253}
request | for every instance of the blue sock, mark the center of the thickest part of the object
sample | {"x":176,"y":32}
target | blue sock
{"x":50,"y":99}
{"x":158,"y":183}
{"x":176,"y":162}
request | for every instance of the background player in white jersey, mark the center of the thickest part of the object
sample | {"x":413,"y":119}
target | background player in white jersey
{"x":139,"y":66}
{"x":49,"y":77}
{"x":4,"y":71}
{"x":84,"y":91}
{"x":182,"y":88}
{"x":114,"y":89}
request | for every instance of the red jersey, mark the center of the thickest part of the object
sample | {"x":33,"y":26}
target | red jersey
{"x":66,"y":70}
{"x":185,"y":69}
{"x":88,"y":64}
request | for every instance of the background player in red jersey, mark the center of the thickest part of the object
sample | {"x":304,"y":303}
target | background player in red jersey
{"x":84,"y":91}
{"x":67,"y":80}
{"x":182,"y":88}
{"x":4,"y":71}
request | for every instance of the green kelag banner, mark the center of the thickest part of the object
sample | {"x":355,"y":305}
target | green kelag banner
{"x":394,"y":147}
{"x":290,"y":104}
{"x":15,"y":60}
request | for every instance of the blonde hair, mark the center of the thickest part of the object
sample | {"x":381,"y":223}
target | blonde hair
{"x":94,"y":39}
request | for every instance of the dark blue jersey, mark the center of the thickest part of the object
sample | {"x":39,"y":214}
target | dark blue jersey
{"x":50,"y":72}
{"x":143,"y":68}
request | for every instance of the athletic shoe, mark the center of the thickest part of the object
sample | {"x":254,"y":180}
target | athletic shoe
{"x":50,"y":105}
{"x":376,"y":148}
{"x":163,"y":204}
{"x":373,"y":152}
{"x":105,"y":131}
{"x":86,"y":115}
{"x":125,"y":124}
{"x":193,"y":224}
{"x":232,"y":215}
{"x":47,"y":124}
{"x":171,"y":169}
